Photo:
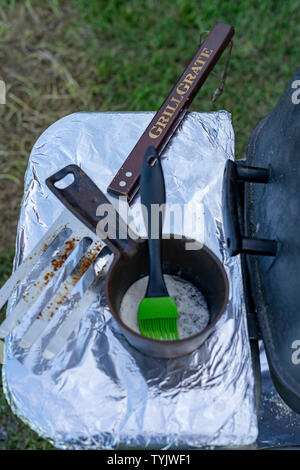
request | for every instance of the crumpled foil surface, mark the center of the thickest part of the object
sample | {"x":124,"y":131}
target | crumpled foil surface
{"x":99,"y":392}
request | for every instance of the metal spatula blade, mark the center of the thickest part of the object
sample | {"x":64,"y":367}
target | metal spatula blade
{"x":46,"y":281}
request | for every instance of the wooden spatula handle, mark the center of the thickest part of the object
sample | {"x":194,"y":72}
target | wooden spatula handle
{"x":168,"y":117}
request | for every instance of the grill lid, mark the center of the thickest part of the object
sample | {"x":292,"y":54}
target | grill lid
{"x":269,"y":184}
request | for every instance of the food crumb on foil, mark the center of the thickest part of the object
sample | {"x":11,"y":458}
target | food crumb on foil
{"x":279,"y":408}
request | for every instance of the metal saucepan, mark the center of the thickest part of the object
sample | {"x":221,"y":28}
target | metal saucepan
{"x":201,"y":267}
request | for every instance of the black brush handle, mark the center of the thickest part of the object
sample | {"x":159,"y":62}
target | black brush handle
{"x":153,"y":193}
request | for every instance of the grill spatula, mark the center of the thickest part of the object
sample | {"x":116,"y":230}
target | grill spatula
{"x":59,"y":271}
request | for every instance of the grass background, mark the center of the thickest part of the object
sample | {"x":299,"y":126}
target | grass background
{"x":58,"y":57}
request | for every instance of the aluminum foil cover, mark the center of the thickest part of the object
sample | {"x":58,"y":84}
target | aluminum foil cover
{"x":99,"y":392}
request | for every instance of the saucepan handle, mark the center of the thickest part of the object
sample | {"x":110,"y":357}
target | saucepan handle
{"x":235,"y":174}
{"x":88,"y":203}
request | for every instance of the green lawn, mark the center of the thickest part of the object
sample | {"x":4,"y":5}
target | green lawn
{"x":58,"y":57}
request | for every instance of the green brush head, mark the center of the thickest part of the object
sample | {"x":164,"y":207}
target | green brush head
{"x":157,"y":318}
